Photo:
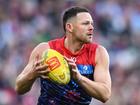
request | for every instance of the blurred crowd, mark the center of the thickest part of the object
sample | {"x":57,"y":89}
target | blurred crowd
{"x":26,"y":23}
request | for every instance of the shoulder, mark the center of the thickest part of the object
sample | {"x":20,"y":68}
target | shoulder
{"x":38,"y":50}
{"x":101,"y":50}
{"x":41,"y":47}
{"x":45,"y":45}
{"x":56,"y":43}
{"x":101,"y":54}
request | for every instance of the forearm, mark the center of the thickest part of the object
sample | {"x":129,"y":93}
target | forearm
{"x":24,"y":82}
{"x":97,"y":90}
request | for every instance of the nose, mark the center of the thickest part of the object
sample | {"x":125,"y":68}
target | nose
{"x":91,"y":28}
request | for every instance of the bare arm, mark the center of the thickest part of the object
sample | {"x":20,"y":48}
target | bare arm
{"x":100,"y":88}
{"x":32,"y":71}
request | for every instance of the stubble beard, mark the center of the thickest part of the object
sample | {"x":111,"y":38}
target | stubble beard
{"x":86,"y":41}
{"x":89,"y":40}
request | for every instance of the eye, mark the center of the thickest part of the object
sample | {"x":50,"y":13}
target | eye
{"x":85,"y":23}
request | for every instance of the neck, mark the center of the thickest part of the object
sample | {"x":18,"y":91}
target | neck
{"x":73,"y":45}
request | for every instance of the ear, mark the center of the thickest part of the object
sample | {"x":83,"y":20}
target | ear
{"x":69,"y":27}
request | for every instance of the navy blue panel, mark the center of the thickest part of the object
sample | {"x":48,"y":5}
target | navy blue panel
{"x":85,"y":69}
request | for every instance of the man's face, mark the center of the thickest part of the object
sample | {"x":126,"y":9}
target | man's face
{"x":83,"y":27}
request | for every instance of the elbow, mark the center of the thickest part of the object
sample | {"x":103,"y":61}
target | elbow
{"x":105,"y":97}
{"x":18,"y":91}
{"x":17,"y":88}
{"x":106,"y":94}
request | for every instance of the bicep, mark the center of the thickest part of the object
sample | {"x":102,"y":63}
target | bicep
{"x":101,"y":72}
{"x":35,"y":55}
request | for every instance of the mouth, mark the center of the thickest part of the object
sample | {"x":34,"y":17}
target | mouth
{"x":90,"y":34}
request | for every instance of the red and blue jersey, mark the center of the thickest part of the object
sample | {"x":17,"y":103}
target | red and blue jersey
{"x":72,"y":93}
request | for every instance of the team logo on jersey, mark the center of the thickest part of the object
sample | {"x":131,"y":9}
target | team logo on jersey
{"x":85,"y":69}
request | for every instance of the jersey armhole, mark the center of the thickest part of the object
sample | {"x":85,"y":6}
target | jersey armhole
{"x":94,"y":54}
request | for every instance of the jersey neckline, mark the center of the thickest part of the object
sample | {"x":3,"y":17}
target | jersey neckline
{"x":68,"y":51}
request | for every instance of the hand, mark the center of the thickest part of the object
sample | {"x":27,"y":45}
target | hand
{"x":74,"y":70}
{"x":40,"y":69}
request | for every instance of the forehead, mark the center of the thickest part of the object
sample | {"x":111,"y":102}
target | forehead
{"x":84,"y":16}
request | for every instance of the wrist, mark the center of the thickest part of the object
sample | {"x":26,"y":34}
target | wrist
{"x":79,"y":79}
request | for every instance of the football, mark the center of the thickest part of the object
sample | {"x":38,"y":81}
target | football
{"x":58,"y":66}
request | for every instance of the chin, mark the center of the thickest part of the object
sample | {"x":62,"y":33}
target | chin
{"x":88,"y":41}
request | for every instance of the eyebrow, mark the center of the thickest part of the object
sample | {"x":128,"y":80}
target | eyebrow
{"x":87,"y":21}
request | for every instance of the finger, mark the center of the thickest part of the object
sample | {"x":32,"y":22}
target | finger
{"x":72,"y":64}
{"x":45,"y":77}
{"x":37,"y":58}
{"x":46,"y":72}
{"x":41,"y":68}
{"x":68,"y":59}
{"x":39,"y":62}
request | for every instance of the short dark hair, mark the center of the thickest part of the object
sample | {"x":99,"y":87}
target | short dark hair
{"x":71,"y":12}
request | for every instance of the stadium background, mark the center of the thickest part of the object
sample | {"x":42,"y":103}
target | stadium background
{"x":25,"y":23}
